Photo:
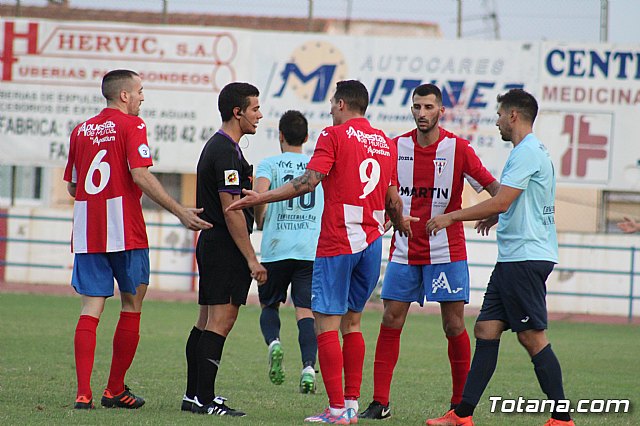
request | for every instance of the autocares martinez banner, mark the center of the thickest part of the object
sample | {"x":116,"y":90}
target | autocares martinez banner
{"x":51,"y":72}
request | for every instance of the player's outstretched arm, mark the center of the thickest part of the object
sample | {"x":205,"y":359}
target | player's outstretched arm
{"x":483,"y":226}
{"x":150,"y":185}
{"x":260,"y":185}
{"x":499,"y":204}
{"x":393,"y":207}
{"x":304,"y":183}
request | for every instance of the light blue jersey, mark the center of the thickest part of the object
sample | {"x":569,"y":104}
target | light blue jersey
{"x":527,"y":230}
{"x":291,"y":227}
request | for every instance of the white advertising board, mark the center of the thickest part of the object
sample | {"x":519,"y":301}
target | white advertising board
{"x":50,"y":80}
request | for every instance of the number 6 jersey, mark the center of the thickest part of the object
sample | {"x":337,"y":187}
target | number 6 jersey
{"x":107,"y":214}
{"x":360,"y":163}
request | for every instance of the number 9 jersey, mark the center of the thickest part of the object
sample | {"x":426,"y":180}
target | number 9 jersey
{"x":107,"y":214}
{"x":360,"y":163}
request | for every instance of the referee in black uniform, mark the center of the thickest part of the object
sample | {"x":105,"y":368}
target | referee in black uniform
{"x":226,"y":259}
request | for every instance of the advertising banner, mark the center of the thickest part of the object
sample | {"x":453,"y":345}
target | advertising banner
{"x":590,"y":94}
{"x":51,"y":72}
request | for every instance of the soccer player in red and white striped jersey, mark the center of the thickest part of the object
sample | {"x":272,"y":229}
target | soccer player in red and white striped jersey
{"x":106,"y":173}
{"x":432,"y":167}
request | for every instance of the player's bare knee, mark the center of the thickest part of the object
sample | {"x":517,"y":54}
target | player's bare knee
{"x":395,"y":314}
{"x":533,"y":340}
{"x":453,"y":328}
{"x":488,"y":330}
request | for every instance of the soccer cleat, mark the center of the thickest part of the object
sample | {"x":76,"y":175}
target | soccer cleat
{"x":83,"y":403}
{"x":451,"y":419}
{"x":217,"y":407}
{"x":327,"y":417}
{"x":308,"y":380}
{"x":276,"y":371}
{"x":376,"y":411}
{"x":555,"y":422}
{"x":187,"y":403}
{"x":124,"y":400}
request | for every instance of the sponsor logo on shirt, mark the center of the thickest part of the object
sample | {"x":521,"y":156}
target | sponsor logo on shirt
{"x":424,"y":192}
{"x":374,"y":143}
{"x":231,"y":177}
{"x":106,"y":128}
{"x":442,"y":283}
{"x":405,"y":158}
{"x":141,"y":126}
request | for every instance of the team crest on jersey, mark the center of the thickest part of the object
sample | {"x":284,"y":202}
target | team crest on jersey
{"x":442,"y":283}
{"x":231,"y":177}
{"x":440,"y":164}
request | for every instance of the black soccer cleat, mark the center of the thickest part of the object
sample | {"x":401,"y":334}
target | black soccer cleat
{"x":187,"y":403}
{"x":217,"y":407}
{"x":124,"y":400}
{"x":376,"y":411}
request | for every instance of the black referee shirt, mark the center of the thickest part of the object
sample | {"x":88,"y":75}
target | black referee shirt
{"x":222,"y":168}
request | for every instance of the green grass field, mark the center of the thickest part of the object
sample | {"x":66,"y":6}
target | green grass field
{"x":37,"y":377}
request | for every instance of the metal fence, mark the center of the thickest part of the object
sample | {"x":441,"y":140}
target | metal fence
{"x":570,"y":252}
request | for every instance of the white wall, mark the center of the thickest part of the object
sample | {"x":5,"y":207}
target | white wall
{"x":47,"y":259}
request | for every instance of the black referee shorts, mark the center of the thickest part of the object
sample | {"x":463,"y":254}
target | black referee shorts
{"x":516,"y":295}
{"x":225,"y":276}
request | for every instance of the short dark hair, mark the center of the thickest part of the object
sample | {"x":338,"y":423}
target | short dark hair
{"x":114,"y":81}
{"x":235,"y":95}
{"x":521,"y":100}
{"x":354,"y":94}
{"x":294,"y":127}
{"x":428,"y":89}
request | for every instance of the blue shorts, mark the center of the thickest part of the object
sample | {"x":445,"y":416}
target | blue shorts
{"x":516,"y":295}
{"x":93,"y":273}
{"x":445,"y":282}
{"x":345,"y":282}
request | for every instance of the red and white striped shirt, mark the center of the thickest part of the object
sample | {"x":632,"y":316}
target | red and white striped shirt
{"x":430,"y":182}
{"x":360,"y":163}
{"x":107,"y":215}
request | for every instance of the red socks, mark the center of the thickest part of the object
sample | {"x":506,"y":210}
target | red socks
{"x":330,"y":358}
{"x":84,"y":344}
{"x":353,"y":355}
{"x":387,"y":351}
{"x":460,"y":360}
{"x":125,"y":343}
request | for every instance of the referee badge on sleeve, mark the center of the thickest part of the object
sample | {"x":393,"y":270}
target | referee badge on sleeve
{"x":231,"y":177}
